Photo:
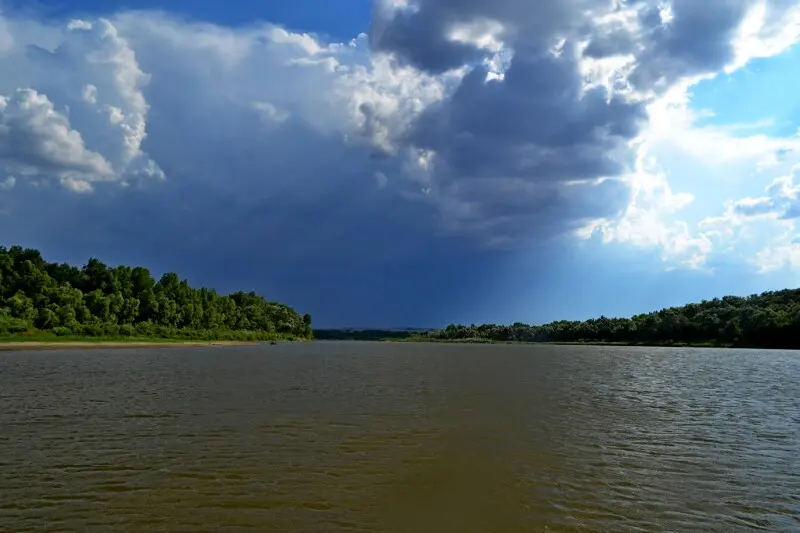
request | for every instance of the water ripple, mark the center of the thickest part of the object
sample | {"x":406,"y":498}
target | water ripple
{"x":352,"y":437}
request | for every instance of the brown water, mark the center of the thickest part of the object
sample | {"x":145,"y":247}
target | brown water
{"x":346,"y":437}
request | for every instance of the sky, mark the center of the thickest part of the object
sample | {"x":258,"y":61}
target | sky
{"x":411,"y":163}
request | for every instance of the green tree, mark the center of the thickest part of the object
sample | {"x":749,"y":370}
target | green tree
{"x":101,"y":300}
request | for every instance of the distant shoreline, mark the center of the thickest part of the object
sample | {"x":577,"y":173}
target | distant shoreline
{"x":13,"y":346}
{"x":573,"y":343}
{"x":413,"y":339}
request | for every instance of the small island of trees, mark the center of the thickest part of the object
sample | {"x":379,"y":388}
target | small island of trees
{"x":39,"y":298}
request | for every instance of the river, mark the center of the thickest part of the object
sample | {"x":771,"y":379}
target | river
{"x":399,"y":437}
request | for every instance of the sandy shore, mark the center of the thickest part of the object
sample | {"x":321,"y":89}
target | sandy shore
{"x":66,"y":345}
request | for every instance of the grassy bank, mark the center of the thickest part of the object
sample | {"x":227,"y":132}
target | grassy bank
{"x":45,"y":339}
{"x":108,"y":344}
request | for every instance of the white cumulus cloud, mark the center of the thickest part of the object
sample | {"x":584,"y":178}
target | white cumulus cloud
{"x":36,"y":139}
{"x":72,"y":106}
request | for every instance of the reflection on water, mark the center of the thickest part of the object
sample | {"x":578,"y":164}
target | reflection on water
{"x":330,"y":437}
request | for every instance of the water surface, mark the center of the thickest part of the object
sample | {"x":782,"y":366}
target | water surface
{"x":372,"y":437}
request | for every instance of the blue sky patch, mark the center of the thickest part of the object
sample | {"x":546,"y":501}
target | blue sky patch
{"x":763,"y":95}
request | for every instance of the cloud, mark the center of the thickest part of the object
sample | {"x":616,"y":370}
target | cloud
{"x":579,"y":86}
{"x":517,"y":141}
{"x":780,"y":204}
{"x":495,"y":183}
{"x":708,"y":160}
{"x":763,"y":227}
{"x":526,"y":151}
{"x":452,"y":126}
{"x":769,"y":28}
{"x":74,"y":112}
{"x":666,"y":41}
{"x":646,"y":221}
{"x":35,"y":138}
{"x":781,"y":200}
{"x":773,"y":258}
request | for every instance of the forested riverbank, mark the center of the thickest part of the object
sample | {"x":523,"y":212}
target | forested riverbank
{"x":42,"y":301}
{"x":766,"y":320}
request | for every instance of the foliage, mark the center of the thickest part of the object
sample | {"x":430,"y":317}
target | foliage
{"x":767,"y":320}
{"x":102,"y":301}
{"x":363,"y":334}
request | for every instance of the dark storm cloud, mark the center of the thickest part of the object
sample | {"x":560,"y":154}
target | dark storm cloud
{"x":538,"y":126}
{"x":422,"y":35}
{"x":500,"y":211}
{"x":418,"y":40}
{"x":534,"y":123}
{"x":698,"y":38}
{"x":607,"y":44}
{"x":535,"y":127}
{"x":701,"y":33}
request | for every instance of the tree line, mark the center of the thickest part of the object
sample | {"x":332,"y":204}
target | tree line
{"x":766,"y":320}
{"x":100,"y":300}
{"x":352,"y":334}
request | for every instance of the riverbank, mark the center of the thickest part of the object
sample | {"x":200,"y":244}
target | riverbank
{"x":412,"y":336}
{"x":89,"y":344}
{"x":565,"y":343}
